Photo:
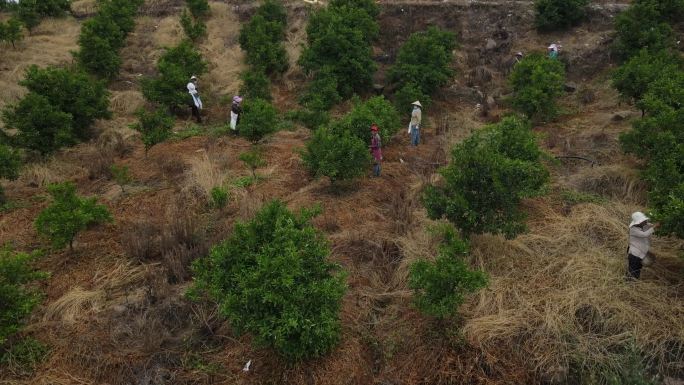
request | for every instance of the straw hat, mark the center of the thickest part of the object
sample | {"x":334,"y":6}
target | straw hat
{"x":417,"y":103}
{"x":637,"y":218}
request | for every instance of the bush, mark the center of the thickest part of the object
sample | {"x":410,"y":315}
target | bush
{"x":198,"y":8}
{"x":559,"y":14}
{"x":271,"y":278}
{"x":322,"y":92}
{"x":219,"y":196}
{"x":68,"y":215}
{"x":634,"y":77}
{"x":490,"y":173}
{"x":440,"y":286}
{"x":645,"y":25}
{"x":337,"y":155}
{"x":17,"y":295}
{"x":97,"y":56}
{"x":261,"y":40}
{"x":31,"y":11}
{"x":11,"y":31}
{"x":273,"y":10}
{"x":659,"y":138}
{"x":175,"y":67}
{"x":374,"y":110}
{"x":154,"y":127}
{"x":339,"y":41}
{"x":9,"y":166}
{"x":409,"y":93}
{"x":311,"y":119}
{"x":121,"y":175}
{"x":255,"y":84}
{"x":424,"y":60}
{"x":537,"y":81}
{"x":259,"y":118}
{"x":194,"y":29}
{"x":40,"y":125}
{"x":368,"y":6}
{"x":71,"y":92}
{"x":253,"y":160}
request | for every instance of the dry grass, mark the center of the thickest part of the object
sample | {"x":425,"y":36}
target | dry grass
{"x":612,"y":181}
{"x":126,"y":102}
{"x":203,"y":175}
{"x":54,"y":170}
{"x":50,"y":43}
{"x":558,"y":297}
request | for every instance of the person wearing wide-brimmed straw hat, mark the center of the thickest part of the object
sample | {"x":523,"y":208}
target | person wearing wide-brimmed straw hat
{"x":640,"y":232}
{"x":414,"y":126}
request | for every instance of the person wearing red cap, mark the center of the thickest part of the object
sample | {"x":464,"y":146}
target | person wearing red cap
{"x":376,"y":149}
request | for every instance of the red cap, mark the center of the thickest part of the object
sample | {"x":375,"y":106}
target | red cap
{"x":374,"y":127}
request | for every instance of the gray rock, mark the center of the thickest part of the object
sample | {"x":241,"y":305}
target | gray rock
{"x":570,"y":87}
{"x":491,"y":44}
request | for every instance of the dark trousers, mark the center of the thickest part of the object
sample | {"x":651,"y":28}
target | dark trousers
{"x":376,"y":168}
{"x":196,"y":113}
{"x":633,"y":266}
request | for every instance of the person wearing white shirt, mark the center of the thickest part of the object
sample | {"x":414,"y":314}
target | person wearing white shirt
{"x":640,"y":232}
{"x":196,"y":103}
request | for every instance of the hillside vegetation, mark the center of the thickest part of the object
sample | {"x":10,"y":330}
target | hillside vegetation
{"x":140,"y":247}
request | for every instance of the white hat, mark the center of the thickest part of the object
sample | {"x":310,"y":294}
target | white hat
{"x":417,"y":103}
{"x":637,"y":218}
{"x":193,"y":77}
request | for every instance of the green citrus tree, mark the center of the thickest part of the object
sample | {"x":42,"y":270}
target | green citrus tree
{"x":339,"y":155}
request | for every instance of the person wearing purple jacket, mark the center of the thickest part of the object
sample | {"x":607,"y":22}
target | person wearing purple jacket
{"x":376,"y":149}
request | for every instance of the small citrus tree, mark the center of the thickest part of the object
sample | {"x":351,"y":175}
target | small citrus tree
{"x":559,"y":14}
{"x":537,"y":82}
{"x":646,"y":24}
{"x":490,"y":173}
{"x":68,"y":215}
{"x":17,"y":296}
{"x":154,"y":127}
{"x":259,"y":119}
{"x":253,"y":160}
{"x":271,"y":279}
{"x":634,"y":77}
{"x":337,"y":155}
{"x":11,"y":31}
{"x":9,"y":166}
{"x":440,"y":286}
{"x":376,"y":110}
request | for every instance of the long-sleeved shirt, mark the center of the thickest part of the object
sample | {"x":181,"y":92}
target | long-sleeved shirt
{"x":376,"y":147}
{"x":416,"y":117}
{"x":640,"y":240}
{"x":192,"y":89}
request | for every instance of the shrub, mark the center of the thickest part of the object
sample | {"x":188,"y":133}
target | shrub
{"x":9,"y":166}
{"x":559,"y":14}
{"x":255,"y":84}
{"x":261,"y":40}
{"x":633,"y":78}
{"x":154,"y":127}
{"x":409,"y":93}
{"x":273,"y":10}
{"x":339,"y":40}
{"x":645,"y":24}
{"x":219,"y":196}
{"x":11,"y":31}
{"x":31,"y":11}
{"x":97,"y":56}
{"x":198,"y":8}
{"x":537,"y":81}
{"x":121,"y":175}
{"x":194,"y":29}
{"x":122,"y":12}
{"x":253,"y":160}
{"x":337,"y":155}
{"x":175,"y":67}
{"x":374,"y":110}
{"x":68,"y":215}
{"x":40,"y":125}
{"x":490,"y":173}
{"x":271,"y":278}
{"x":17,"y":295}
{"x":440,"y":286}
{"x":259,"y":118}
{"x":71,"y":92}
{"x":659,"y":138}
{"x":368,"y":6}
{"x":322,"y":92}
{"x":312,"y":119}
{"x":424,"y":60}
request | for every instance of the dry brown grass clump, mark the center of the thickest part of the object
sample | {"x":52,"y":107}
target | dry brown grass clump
{"x":558,"y":299}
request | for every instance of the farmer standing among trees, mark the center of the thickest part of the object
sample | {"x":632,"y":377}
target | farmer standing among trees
{"x":376,"y":149}
{"x":235,"y":112}
{"x":414,"y":126}
{"x":640,"y":232}
{"x":196,"y":102}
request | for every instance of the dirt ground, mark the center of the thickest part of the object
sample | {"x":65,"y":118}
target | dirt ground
{"x":115,"y":310}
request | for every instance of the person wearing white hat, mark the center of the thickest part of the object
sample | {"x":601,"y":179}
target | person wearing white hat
{"x":640,"y":232}
{"x":414,"y":126}
{"x":554,"y":49}
{"x":196,"y":103}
